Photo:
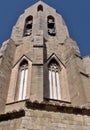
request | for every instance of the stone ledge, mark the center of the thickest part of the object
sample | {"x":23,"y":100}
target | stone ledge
{"x":12,"y":115}
{"x":47,"y":106}
{"x":57,"y":107}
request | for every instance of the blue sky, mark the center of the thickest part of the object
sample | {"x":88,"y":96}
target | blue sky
{"x":76,"y":14}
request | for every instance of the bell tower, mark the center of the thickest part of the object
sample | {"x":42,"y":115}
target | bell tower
{"x":41,"y":62}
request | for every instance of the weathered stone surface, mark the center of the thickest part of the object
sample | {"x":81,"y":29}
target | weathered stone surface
{"x":39,"y":50}
{"x":7,"y":50}
{"x":36,"y":117}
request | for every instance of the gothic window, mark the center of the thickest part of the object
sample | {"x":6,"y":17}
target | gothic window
{"x":51,"y":25}
{"x":40,"y":8}
{"x":22,"y":80}
{"x":28,"y":26}
{"x":54,"y":80}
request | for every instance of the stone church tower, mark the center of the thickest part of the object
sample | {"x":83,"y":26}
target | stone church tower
{"x":44,"y":81}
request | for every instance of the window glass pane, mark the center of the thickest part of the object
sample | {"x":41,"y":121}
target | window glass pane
{"x":23,"y":76}
{"x":25,"y":84}
{"x":21,"y":85}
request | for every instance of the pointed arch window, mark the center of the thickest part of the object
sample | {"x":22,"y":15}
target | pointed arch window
{"x":28,"y":26}
{"x":51,"y":25}
{"x":54,"y":81}
{"x":22,"y":80}
{"x":40,"y":8}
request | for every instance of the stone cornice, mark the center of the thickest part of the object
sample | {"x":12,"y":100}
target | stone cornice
{"x":58,"y":107}
{"x":47,"y":106}
{"x":12,"y":115}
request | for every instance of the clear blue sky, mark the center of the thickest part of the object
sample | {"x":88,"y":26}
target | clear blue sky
{"x":76,"y":14}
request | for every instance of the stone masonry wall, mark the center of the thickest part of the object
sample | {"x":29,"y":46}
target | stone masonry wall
{"x":45,"y":120}
{"x":46,"y":116}
{"x":10,"y":125}
{"x":5,"y":71}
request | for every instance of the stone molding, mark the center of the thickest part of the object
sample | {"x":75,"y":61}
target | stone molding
{"x":12,"y":115}
{"x":47,"y":106}
{"x":58,"y":107}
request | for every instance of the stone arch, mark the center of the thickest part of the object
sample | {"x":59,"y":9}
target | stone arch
{"x":22,"y":77}
{"x":51,"y":25}
{"x":56,"y":80}
{"x":28,"y":26}
{"x":40,"y":8}
{"x":20,"y":80}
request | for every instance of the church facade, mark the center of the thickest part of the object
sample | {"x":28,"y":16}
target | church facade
{"x":44,"y":81}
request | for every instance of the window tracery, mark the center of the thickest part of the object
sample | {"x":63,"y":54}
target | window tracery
{"x":22,"y":80}
{"x":54,"y":81}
